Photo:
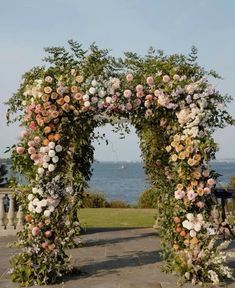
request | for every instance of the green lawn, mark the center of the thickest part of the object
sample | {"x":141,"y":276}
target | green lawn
{"x":116,"y":217}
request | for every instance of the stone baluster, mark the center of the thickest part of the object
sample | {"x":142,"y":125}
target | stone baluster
{"x":19,"y":218}
{"x":2,"y":212}
{"x":11,"y":213}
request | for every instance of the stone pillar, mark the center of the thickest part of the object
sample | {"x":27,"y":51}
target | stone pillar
{"x":11,"y":213}
{"x":19,"y":218}
{"x":2,"y":212}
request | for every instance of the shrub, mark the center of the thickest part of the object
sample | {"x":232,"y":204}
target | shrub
{"x":118,"y":204}
{"x":232,"y":181}
{"x":148,"y":198}
{"x":94,"y":200}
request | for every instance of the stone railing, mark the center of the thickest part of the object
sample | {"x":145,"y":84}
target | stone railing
{"x":10,"y":220}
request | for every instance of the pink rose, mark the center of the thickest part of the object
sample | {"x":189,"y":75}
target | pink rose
{"x":207,"y":190}
{"x":166,"y":79}
{"x":149,"y":97}
{"x":129,"y":77}
{"x":200,"y":204}
{"x":23,"y":134}
{"x":191,"y":195}
{"x":128,"y":106}
{"x":45,"y":245}
{"x":48,"y":233}
{"x":179,"y":194}
{"x":35,"y":231}
{"x":206,"y":173}
{"x":32,"y":125}
{"x":148,"y":113}
{"x":114,"y":98}
{"x":38,"y":108}
{"x":139,"y":88}
{"x":149,"y":80}
{"x":20,"y":150}
{"x":31,"y":143}
{"x":31,"y":150}
{"x":157,"y":93}
{"x":127,"y":93}
{"x":140,"y":94}
{"x":35,"y":157}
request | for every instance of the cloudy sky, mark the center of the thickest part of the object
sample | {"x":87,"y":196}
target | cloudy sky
{"x":27,"y":26}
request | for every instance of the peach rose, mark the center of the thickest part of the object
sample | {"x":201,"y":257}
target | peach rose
{"x":20,"y":150}
{"x":139,"y":88}
{"x":149,"y":80}
{"x":129,"y":77}
{"x":79,"y":79}
{"x":127,"y":93}
{"x":74,"y":89}
{"x":149,"y":97}
{"x":166,"y":78}
{"x":47,"y":90}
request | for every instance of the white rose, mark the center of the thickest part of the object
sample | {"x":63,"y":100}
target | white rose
{"x":47,"y":213}
{"x":87,"y":104}
{"x":40,"y":171}
{"x":85,"y":97}
{"x":102,"y":93}
{"x":38,"y":209}
{"x":51,"y":145}
{"x":45,"y":165}
{"x":58,"y":148}
{"x":40,"y":192}
{"x":188,"y":225}
{"x":94,"y":83}
{"x":51,"y":167}
{"x":92,"y":90}
{"x":55,"y":159}
{"x":51,"y":153}
{"x":108,"y":100}
{"x":30,"y":197}
{"x":46,"y":158}
{"x":192,"y":233}
{"x":35,"y":201}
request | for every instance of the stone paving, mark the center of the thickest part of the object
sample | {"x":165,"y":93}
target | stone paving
{"x":110,"y":258}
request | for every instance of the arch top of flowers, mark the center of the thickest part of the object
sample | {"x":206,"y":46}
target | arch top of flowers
{"x":174,"y":109}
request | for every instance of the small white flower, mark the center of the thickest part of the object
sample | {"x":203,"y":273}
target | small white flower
{"x":34,"y":190}
{"x":31,"y":207}
{"x":35,"y":201}
{"x":92,"y":90}
{"x":43,"y":202}
{"x":47,"y":213}
{"x":51,"y":208}
{"x":51,"y":153}
{"x":38,"y":209}
{"x":197,"y":227}
{"x":40,"y":171}
{"x":51,"y":167}
{"x":51,"y":145}
{"x":58,"y":148}
{"x":94,"y":99}
{"x":85,"y":97}
{"x":94,"y":83}
{"x":45,"y":165}
{"x":40,"y":192}
{"x":108,"y":100}
{"x":87,"y":104}
{"x":190,"y":216}
{"x":69,"y":189}
{"x":55,"y":159}
{"x":30,"y":197}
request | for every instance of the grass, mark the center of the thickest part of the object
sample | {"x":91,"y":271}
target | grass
{"x":116,"y":217}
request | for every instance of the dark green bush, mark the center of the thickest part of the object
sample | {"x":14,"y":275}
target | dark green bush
{"x":148,"y":198}
{"x":118,"y":204}
{"x":94,"y":200}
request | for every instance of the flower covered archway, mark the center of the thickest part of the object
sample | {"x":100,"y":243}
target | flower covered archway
{"x":174,"y":109}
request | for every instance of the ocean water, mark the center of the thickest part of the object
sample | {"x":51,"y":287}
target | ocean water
{"x":126,"y":180}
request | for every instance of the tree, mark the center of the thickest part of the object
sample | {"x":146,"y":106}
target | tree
{"x":232,"y":181}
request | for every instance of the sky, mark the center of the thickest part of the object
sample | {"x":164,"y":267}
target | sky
{"x":27,"y":26}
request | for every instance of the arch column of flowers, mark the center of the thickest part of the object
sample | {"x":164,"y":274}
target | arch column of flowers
{"x":174,"y":110}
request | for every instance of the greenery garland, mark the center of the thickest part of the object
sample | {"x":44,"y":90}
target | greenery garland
{"x":174,"y":109}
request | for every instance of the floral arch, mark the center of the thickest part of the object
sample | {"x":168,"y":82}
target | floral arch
{"x":174,"y":109}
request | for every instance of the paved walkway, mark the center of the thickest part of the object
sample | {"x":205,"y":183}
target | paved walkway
{"x":125,"y":258}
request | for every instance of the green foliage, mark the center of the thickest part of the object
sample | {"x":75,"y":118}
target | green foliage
{"x":93,"y":200}
{"x":232,"y":182}
{"x":118,"y":204}
{"x":148,"y":198}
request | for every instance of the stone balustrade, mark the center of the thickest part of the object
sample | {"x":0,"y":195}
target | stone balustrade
{"x":10,"y":220}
